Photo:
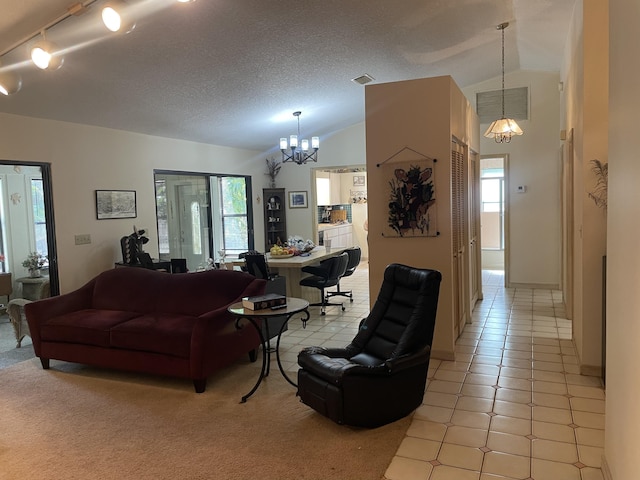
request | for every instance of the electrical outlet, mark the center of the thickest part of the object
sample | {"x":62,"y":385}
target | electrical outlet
{"x":83,"y":239}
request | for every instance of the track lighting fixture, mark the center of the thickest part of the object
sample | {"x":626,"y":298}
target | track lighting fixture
{"x":117,"y":18}
{"x":116,"y":15}
{"x":10,"y":82}
{"x":45,"y":56}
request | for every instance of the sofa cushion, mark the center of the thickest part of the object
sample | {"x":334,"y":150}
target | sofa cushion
{"x":88,"y":326}
{"x":164,"y":333}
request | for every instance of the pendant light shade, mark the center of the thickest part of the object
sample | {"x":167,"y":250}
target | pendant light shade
{"x":44,"y":55}
{"x":503,"y":129}
{"x":117,"y":18}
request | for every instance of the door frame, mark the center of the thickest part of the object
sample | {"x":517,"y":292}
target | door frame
{"x":47,"y":190}
{"x":507,"y":202}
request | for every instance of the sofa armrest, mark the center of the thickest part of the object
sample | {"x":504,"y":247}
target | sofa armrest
{"x":42,"y":310}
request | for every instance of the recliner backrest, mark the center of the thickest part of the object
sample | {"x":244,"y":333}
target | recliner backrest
{"x":402,"y":319}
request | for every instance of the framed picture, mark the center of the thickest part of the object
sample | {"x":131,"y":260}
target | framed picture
{"x":298,"y":200}
{"x":358,"y":180}
{"x":115,"y":204}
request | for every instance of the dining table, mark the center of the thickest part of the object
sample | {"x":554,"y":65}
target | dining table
{"x":291,"y":268}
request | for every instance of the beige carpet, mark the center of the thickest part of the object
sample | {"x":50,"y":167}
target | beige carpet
{"x":76,"y":422}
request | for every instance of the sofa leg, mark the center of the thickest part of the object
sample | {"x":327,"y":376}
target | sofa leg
{"x":253,"y":355}
{"x":200,"y":385}
{"x":45,"y":363}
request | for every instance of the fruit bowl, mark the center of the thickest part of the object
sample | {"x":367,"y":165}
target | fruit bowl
{"x":284,"y":255}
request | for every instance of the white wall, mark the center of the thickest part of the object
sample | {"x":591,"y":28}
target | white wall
{"x":85,"y":159}
{"x":534,"y":231}
{"x":343,"y":148}
{"x":622,"y":442}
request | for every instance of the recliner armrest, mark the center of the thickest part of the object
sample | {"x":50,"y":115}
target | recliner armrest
{"x":409,"y":360}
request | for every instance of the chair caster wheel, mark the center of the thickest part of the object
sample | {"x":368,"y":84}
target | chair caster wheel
{"x":343,"y":308}
{"x":322,"y":313}
{"x":351,"y":300}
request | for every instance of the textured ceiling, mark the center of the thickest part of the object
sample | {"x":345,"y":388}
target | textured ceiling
{"x":231,"y":72}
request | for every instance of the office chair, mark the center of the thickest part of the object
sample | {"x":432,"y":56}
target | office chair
{"x":256,"y":265}
{"x":179,"y":265}
{"x":381,"y":375}
{"x":327,"y":274}
{"x":355,"y":254}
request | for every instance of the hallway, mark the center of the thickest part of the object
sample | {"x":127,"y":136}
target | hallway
{"x":513,"y":405}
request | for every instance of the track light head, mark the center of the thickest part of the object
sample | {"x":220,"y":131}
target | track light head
{"x":45,"y":57}
{"x":10,"y":82}
{"x":117,"y":18}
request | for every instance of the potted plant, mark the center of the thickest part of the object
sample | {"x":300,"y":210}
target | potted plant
{"x":34,"y":262}
{"x":273,"y":168}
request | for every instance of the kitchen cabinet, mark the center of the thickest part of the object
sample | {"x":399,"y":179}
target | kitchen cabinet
{"x":341,"y":235}
{"x":275,"y":220}
{"x":328,"y":188}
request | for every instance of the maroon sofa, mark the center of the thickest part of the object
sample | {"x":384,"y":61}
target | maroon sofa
{"x":146,"y":321}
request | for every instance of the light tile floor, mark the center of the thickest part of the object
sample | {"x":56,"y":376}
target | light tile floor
{"x":512,"y":405}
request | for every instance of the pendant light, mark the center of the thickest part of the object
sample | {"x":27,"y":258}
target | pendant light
{"x":502,"y":130}
{"x":301,"y":153}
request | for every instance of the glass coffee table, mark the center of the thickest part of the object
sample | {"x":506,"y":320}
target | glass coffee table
{"x":294,"y":306}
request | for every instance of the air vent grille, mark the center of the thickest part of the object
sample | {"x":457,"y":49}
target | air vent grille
{"x":516,"y":104}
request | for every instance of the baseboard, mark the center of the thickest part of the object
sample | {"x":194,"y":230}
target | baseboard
{"x":543,"y":286}
{"x":591,"y":371}
{"x":443,"y":355}
{"x":587,"y":370}
{"x":606,"y":472}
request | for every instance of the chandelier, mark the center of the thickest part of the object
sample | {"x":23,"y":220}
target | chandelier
{"x":300,"y":153}
{"x":502,"y":130}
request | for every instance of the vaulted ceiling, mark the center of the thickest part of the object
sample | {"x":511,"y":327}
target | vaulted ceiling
{"x":231,"y":72}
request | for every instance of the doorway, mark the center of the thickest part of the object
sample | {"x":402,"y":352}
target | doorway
{"x":493,"y":212}
{"x":340,"y":190}
{"x":27,"y":219}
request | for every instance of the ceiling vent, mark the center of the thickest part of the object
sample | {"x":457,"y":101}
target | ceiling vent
{"x":363,"y":79}
{"x":516,"y":104}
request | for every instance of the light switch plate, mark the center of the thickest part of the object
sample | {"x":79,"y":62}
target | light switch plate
{"x":83,"y":239}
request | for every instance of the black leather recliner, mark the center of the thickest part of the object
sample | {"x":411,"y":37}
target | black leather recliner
{"x":381,"y":375}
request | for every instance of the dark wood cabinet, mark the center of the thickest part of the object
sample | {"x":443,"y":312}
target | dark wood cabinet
{"x":275,"y":220}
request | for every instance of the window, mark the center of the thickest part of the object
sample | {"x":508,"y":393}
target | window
{"x":199,"y":215}
{"x":39,"y":220}
{"x":161,"y":213}
{"x":233,"y":200}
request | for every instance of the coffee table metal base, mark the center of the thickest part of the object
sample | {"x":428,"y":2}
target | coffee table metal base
{"x":294,"y":306}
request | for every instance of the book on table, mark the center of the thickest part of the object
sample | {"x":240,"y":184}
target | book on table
{"x":268,"y":300}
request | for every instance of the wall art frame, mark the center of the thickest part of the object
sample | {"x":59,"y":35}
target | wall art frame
{"x":412,"y":199}
{"x":298,"y":199}
{"x":114,"y":204}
